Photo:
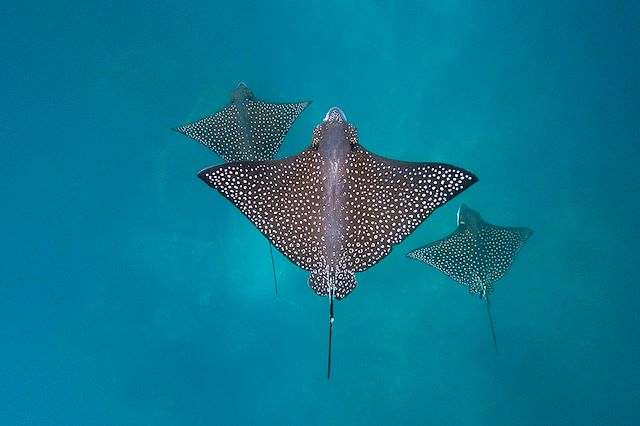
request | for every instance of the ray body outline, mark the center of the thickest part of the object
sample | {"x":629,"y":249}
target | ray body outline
{"x":335,"y":208}
{"x":247,"y":129}
{"x":476,"y":254}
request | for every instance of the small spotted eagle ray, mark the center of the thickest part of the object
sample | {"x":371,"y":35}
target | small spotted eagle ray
{"x":247,"y":129}
{"x":476,"y":254}
{"x":336,"y":208}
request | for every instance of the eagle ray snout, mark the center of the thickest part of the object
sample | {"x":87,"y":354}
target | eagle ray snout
{"x":335,"y":114}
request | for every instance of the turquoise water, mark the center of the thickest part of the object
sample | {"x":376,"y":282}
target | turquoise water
{"x":132,"y":293}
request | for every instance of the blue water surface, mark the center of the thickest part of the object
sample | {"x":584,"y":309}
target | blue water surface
{"x":133,"y":294}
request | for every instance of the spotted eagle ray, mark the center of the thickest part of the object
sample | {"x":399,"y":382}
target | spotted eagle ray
{"x":476,"y":254}
{"x":336,"y":208}
{"x":247,"y":129}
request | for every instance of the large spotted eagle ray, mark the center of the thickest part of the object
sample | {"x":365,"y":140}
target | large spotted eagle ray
{"x":476,"y":254}
{"x":247,"y":129}
{"x":336,"y":208}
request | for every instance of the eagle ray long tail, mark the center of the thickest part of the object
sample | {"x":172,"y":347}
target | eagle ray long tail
{"x":273,"y":266}
{"x":330,"y":329}
{"x":493,"y":333}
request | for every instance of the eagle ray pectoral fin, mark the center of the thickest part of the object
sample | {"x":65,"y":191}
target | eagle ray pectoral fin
{"x":344,"y":283}
{"x":319,"y":283}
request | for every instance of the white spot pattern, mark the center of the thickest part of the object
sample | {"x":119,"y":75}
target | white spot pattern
{"x":345,"y":282}
{"x":294,"y":203}
{"x":389,"y":199}
{"x":282,"y":198}
{"x":247,"y":129}
{"x":475,"y":256}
